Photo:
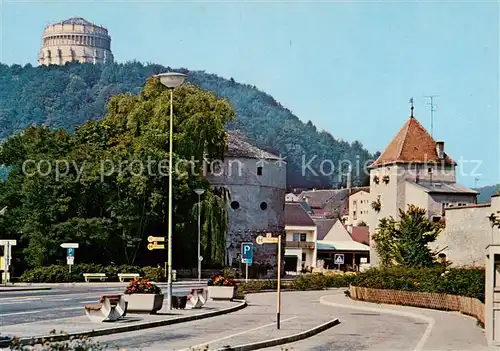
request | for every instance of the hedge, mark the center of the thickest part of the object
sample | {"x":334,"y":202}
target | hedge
{"x":60,"y":274}
{"x":469,"y":282}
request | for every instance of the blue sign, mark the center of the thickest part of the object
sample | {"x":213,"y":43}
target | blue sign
{"x":71,"y":252}
{"x":247,"y":253}
{"x":339,"y":259}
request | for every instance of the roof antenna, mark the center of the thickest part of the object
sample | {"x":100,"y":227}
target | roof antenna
{"x":432,"y":109}
{"x":411,"y":104}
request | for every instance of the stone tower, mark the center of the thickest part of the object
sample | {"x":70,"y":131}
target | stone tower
{"x":75,"y":40}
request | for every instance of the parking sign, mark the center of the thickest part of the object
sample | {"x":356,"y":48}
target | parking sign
{"x":247,"y":253}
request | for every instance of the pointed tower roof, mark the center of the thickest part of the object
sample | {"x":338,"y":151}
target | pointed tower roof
{"x":412,"y":144}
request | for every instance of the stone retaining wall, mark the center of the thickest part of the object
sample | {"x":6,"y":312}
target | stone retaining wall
{"x":466,"y":305}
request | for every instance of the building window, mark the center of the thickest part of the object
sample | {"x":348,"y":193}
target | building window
{"x":263,"y":206}
{"x":296,"y":236}
{"x":303,"y":257}
{"x":259,"y":170}
{"x":303,"y":236}
{"x":436,"y":219}
{"x":442,"y":257}
{"x":354,"y":214}
{"x":235,"y":205}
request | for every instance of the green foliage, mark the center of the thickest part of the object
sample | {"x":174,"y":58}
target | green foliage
{"x":60,"y":273}
{"x":468,"y":282}
{"x":68,"y":96}
{"x":405,"y":242}
{"x":72,"y":344}
{"x":111,"y":190}
{"x":320,"y":281}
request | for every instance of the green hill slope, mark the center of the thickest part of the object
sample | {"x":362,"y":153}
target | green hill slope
{"x":64,"y":97}
{"x":485,"y":193}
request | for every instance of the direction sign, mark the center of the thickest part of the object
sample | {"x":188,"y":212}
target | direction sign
{"x":339,"y":259}
{"x":247,"y":253}
{"x":266,"y":240}
{"x":155,"y":238}
{"x":8,"y":242}
{"x":155,"y":246}
{"x":70,"y":260}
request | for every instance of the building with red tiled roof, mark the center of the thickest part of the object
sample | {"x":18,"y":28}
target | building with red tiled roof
{"x":413,"y":169}
{"x":301,"y":237}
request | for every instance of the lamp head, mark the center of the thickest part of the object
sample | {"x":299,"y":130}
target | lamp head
{"x":172,"y":79}
{"x":199,"y":191}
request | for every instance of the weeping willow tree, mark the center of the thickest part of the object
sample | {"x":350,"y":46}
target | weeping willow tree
{"x":215,"y":224}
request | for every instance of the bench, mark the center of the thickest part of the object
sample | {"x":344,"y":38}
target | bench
{"x":109,"y":309}
{"x":131,"y":276}
{"x":101,"y":276}
{"x":197,"y":298}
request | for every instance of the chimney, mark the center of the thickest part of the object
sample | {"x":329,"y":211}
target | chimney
{"x":440,"y":149}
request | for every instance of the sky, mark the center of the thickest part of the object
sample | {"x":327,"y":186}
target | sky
{"x":349,"y":67}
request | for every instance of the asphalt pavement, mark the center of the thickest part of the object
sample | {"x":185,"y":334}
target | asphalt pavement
{"x":62,"y":302}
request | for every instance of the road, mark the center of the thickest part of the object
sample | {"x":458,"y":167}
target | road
{"x":61,"y":302}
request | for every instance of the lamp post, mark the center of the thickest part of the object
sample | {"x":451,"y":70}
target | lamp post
{"x":171,"y":80}
{"x":199,"y":192}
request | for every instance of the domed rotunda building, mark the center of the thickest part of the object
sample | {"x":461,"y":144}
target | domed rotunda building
{"x":75,"y":40}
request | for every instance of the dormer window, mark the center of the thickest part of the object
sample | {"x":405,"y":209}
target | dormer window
{"x":259,"y":170}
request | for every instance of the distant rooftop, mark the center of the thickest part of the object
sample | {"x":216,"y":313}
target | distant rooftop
{"x":442,"y":187}
{"x":239,"y":147}
{"x":412,"y":144}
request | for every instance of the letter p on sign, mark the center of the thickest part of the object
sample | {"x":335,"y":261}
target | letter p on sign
{"x":247,"y":253}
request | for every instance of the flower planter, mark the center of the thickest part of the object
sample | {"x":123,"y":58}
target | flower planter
{"x":145,"y":303}
{"x":221,"y":292}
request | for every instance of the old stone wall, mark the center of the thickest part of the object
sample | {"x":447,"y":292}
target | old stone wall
{"x":468,"y":231}
{"x":257,"y":205}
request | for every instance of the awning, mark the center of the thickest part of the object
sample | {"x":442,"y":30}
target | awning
{"x":323,"y":245}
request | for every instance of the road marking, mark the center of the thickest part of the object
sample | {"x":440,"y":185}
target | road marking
{"x":430,"y":321}
{"x":237,"y":334}
{"x":38,"y":311}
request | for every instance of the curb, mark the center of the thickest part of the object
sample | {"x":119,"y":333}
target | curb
{"x":24,"y":289}
{"x":286,"y":339}
{"x":127,"y":328}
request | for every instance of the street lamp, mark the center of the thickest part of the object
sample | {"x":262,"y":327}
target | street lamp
{"x":171,"y":80}
{"x":199,"y":192}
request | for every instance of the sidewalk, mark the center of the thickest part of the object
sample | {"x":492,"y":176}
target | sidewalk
{"x":392,"y":327}
{"x":300,"y":311}
{"x":133,"y":321}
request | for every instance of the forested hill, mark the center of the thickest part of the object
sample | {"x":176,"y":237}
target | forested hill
{"x":64,"y":97}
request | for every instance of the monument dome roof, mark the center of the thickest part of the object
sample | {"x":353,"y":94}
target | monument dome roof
{"x":76,"y":20}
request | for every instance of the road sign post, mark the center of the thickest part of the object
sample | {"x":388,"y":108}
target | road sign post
{"x":269,"y":239}
{"x":246,"y":256}
{"x":70,"y":253}
{"x":338,"y":260}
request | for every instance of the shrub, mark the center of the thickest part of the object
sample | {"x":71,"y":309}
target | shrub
{"x":74,"y":344}
{"x":153,"y":273}
{"x":142,"y":286}
{"x":468,"y":282}
{"x":60,"y":273}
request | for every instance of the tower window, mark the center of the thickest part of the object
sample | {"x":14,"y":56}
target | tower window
{"x":263,"y":206}
{"x":259,"y":170}
{"x":235,"y":205}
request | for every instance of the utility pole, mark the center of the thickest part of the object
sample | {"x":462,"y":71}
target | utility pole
{"x":431,"y":103}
